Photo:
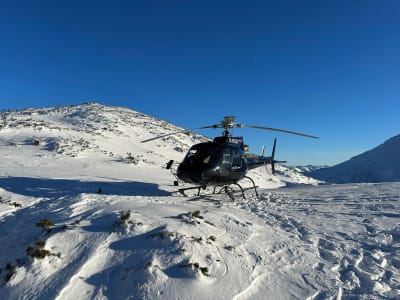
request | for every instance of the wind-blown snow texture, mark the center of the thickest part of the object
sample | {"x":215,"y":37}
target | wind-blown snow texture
{"x":381,"y":164}
{"x":120,"y":231}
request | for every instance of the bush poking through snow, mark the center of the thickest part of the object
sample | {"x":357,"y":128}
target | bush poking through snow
{"x":38,"y":251}
{"x":125,"y":216}
{"x":45,"y":224}
{"x":162,"y":234}
{"x":196,"y":214}
{"x":125,"y":220}
{"x":229,"y":248}
{"x":204,"y":271}
{"x":211,"y":238}
{"x":15,"y":204}
{"x":195,"y":266}
{"x":40,"y":243}
{"x":11,"y":272}
{"x":197,"y":239}
{"x":129,"y":159}
{"x":192,"y":217}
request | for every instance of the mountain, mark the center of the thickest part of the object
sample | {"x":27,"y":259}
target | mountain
{"x":89,"y":212}
{"x":93,"y":131}
{"x":381,"y":164}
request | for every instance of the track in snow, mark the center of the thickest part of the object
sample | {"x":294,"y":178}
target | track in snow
{"x":354,"y":231}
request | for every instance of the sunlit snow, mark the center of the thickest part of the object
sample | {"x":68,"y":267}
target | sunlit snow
{"x":119,"y":230}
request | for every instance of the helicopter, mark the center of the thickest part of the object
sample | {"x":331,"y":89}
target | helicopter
{"x":223,"y":162}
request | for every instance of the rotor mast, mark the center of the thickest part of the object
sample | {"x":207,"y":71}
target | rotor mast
{"x":227,"y":123}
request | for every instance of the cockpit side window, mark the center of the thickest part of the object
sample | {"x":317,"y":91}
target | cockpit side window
{"x":202,"y":154}
{"x":236,"y":159}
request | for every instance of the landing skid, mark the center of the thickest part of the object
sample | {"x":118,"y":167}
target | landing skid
{"x":182,"y":191}
{"x":230,"y":192}
{"x":227,"y":188}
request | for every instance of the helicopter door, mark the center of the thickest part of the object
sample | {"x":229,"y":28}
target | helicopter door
{"x":237,"y":161}
{"x":226,"y":162}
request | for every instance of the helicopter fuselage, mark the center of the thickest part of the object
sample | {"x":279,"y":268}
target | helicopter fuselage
{"x":213,"y":164}
{"x":221,"y":162}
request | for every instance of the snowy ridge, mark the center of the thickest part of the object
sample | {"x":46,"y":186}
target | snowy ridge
{"x":381,"y":164}
{"x":92,"y":130}
{"x":85,"y":220}
{"x":88,"y":128}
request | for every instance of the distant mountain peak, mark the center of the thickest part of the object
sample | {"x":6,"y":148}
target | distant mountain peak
{"x":380,"y":164}
{"x":395,"y":139}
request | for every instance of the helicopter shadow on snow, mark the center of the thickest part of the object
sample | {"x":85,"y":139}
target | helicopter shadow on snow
{"x":55,"y":188}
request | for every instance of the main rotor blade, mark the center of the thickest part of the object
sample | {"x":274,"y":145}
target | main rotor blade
{"x":176,"y":132}
{"x":281,"y":130}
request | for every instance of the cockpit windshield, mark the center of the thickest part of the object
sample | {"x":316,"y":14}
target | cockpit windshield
{"x":205,"y":153}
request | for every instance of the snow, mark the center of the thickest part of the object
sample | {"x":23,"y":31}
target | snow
{"x":121,"y":231}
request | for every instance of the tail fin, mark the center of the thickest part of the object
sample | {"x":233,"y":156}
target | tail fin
{"x":273,"y":158}
{"x":273,"y":161}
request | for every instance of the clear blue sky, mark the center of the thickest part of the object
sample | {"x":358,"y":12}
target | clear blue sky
{"x":327,"y":68}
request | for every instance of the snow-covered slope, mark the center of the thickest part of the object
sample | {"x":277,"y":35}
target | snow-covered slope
{"x":82,"y":219}
{"x":381,"y":164}
{"x":110,"y":134}
{"x":93,"y":130}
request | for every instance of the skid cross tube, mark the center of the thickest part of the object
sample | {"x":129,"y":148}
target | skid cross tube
{"x":225,"y":188}
{"x":182,"y":191}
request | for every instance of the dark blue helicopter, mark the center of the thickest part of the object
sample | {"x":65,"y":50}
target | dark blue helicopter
{"x":222,"y":162}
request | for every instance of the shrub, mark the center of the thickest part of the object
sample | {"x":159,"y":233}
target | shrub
{"x":196,"y":266}
{"x":162,"y":234}
{"x":125,"y":219}
{"x":129,"y":159}
{"x":125,"y":216}
{"x":40,"y":243}
{"x":36,"y":252}
{"x":11,"y":272}
{"x":45,"y":223}
{"x":212,"y":238}
{"x":196,"y":214}
{"x":204,"y":271}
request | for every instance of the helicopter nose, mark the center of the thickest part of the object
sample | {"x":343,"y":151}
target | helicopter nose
{"x":192,"y":174}
{"x":188,"y":175}
{"x":209,"y":173}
